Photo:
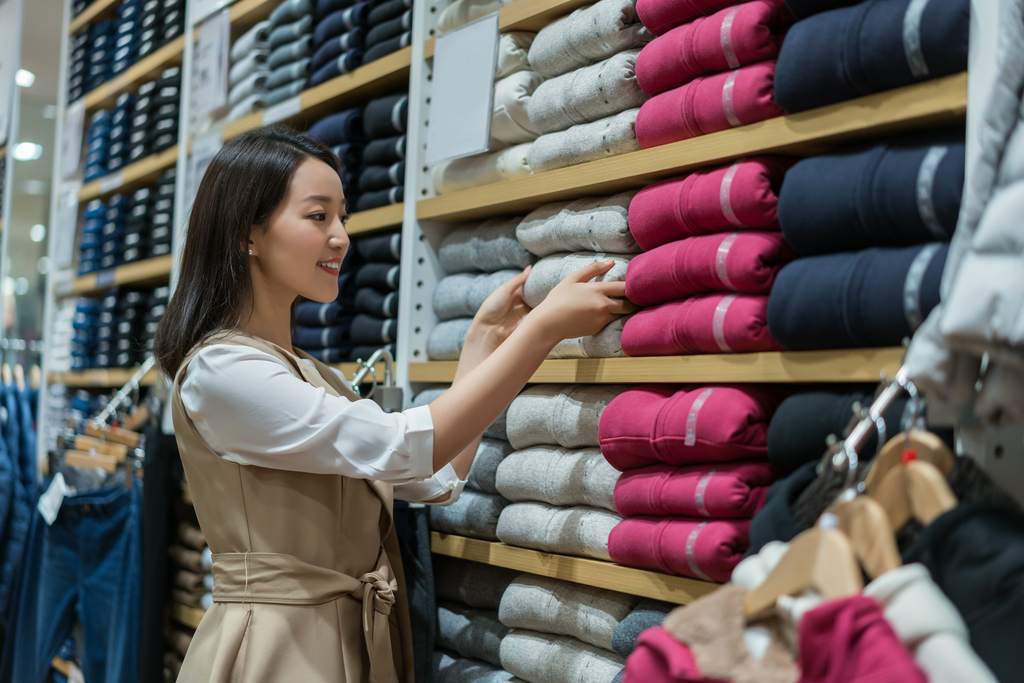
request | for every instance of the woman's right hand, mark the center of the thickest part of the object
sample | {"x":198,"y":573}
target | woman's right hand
{"x":577,"y":307}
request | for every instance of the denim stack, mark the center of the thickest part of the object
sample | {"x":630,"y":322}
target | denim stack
{"x":343,"y":132}
{"x":150,"y":220}
{"x":111,"y":239}
{"x":382,"y":177}
{"x":168,"y":24}
{"x":118,"y":142}
{"x":127,"y":36}
{"x":120,"y":328}
{"x":339,"y":38}
{"x":99,"y":53}
{"x":154,"y":125}
{"x":324,"y":330}
{"x":78,"y":66}
{"x":97,"y":145}
{"x":389,"y":28}
{"x":375,"y":324}
{"x":249,"y":71}
{"x":85,"y":322}
{"x":291,"y":49}
{"x":92,"y":236}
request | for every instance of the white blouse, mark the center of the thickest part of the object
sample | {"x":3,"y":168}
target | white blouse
{"x":251,"y":410}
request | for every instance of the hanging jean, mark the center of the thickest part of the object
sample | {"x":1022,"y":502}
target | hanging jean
{"x":28,"y":439}
{"x":83,"y":568}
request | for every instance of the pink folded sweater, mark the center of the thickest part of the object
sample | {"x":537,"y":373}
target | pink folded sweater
{"x":707,"y":323}
{"x":708,"y":104}
{"x":728,"y":39}
{"x":724,"y":490}
{"x":741,"y":196}
{"x":727,"y":261}
{"x":700,"y":549}
{"x":653,"y":424}
{"x":661,"y":15}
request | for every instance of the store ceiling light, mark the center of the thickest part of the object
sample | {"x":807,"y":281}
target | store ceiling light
{"x":24,"y":78}
{"x":37,"y":233}
{"x":27,"y":151}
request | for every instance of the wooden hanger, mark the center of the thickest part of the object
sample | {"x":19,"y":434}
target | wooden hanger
{"x":139,"y":416}
{"x":6,"y":373}
{"x":871,"y":535}
{"x":115,"y":434}
{"x":927,"y":446}
{"x":915,"y":489}
{"x":35,"y":377}
{"x":19,"y":376}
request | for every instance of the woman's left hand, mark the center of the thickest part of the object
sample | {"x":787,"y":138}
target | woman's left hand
{"x":500,"y":314}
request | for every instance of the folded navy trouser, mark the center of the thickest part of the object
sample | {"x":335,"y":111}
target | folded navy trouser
{"x":345,"y":126}
{"x":374,"y":200}
{"x":373,"y":178}
{"x":289,"y":33}
{"x":385,"y":117}
{"x":392,"y":28}
{"x":349,"y":153}
{"x":287,"y":74}
{"x":342,"y":21}
{"x":384,"y":11}
{"x":368,"y":330}
{"x":339,"y":45}
{"x":874,"y":297}
{"x":315,"y":314}
{"x":802,"y":9}
{"x":346,"y":63}
{"x":870,"y":47}
{"x":381,"y":276}
{"x":385,"y":152}
{"x":384,"y":48}
{"x":381,"y":248}
{"x":322,"y":337}
{"x":326,"y":7}
{"x":334,"y":355}
{"x":289,"y":11}
{"x":893,"y":194}
{"x":369,"y":300}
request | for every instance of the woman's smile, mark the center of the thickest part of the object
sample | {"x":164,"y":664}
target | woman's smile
{"x":332,"y":266}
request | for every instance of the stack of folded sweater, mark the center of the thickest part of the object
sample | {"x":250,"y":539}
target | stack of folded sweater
{"x":511,"y":130}
{"x":249,"y":71}
{"x":343,"y":133}
{"x":155,"y":113}
{"x":712,"y":252}
{"x":847,"y":52}
{"x":324,"y":330}
{"x":119,"y":140}
{"x":121,"y":327}
{"x":375,"y":324}
{"x":561,"y":487}
{"x":290,"y":46}
{"x":150,"y":219}
{"x":388,"y":28}
{"x":873,"y":275}
{"x":475,"y":513}
{"x":694,"y":471}
{"x":707,"y":73}
{"x":79,"y":79}
{"x":339,"y":39}
{"x":103,"y":232}
{"x":103,"y":136}
{"x":478,"y":260}
{"x":589,"y":229}
{"x":382,"y":176}
{"x":127,"y":36}
{"x":469,"y":633}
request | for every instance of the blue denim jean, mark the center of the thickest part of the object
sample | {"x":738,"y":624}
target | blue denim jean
{"x":85,"y":567}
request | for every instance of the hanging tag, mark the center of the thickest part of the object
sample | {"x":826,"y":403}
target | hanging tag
{"x":51,"y":500}
{"x":75,"y":674}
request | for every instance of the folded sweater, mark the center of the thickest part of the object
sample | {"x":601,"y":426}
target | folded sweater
{"x":605,"y":344}
{"x":700,"y":549}
{"x":510,"y":120}
{"x":513,"y":48}
{"x":585,"y":142}
{"x":452,"y":668}
{"x":488,"y":246}
{"x":551,"y":270}
{"x":482,"y":169}
{"x":597,"y":224}
{"x":462,"y":294}
{"x":446,"y":339}
{"x":489,"y":455}
{"x":661,"y":15}
{"x":559,"y":414}
{"x":580,"y":531}
{"x":723,"y":490}
{"x":558,"y":476}
{"x":646,"y":614}
{"x":474,"y":514}
{"x":471,"y":632}
{"x":471,"y":583}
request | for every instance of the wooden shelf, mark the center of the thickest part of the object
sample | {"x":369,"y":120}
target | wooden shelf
{"x":940,"y":101}
{"x":376,"y":78}
{"x":247,"y":13}
{"x":144,"y":70}
{"x":97,"y":9}
{"x":189,"y":616}
{"x":108,"y":378}
{"x":526,"y":15}
{"x":375,"y":219}
{"x":607,"y":575}
{"x":854,"y":365}
{"x":141,"y":172}
{"x":150,"y":271}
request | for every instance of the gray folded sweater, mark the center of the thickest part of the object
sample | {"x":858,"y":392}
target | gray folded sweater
{"x":558,"y":476}
{"x":489,"y":456}
{"x":587,"y":94}
{"x":598,"y":224}
{"x":497,"y":430}
{"x":449,"y":667}
{"x":470,"y":632}
{"x":489,"y":246}
{"x":446,"y":339}
{"x":584,"y":142}
{"x":646,"y":614}
{"x":581,"y":531}
{"x":586,"y":36}
{"x":564,"y":414}
{"x":550,"y":270}
{"x":461,"y":295}
{"x":565,"y":608}
{"x":474,"y":514}
{"x":605,"y":344}
{"x":546,"y":658}
{"x":482,"y":169}
{"x":471,"y":583}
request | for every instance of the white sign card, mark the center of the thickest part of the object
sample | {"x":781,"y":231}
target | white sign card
{"x":71,"y":138}
{"x":204,"y":148}
{"x":462,"y":96}
{"x":10,"y":42}
{"x":67,"y":222}
{"x":204,"y":8}
{"x":210,"y":73}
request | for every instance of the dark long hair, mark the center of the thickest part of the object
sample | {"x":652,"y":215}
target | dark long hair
{"x":242,"y":187}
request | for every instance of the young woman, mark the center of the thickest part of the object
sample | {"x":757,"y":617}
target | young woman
{"x":293,"y":476}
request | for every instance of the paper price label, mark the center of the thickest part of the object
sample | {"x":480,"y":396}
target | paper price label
{"x":51,"y":500}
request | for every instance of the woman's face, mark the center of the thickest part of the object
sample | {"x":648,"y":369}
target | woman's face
{"x":301,"y":251}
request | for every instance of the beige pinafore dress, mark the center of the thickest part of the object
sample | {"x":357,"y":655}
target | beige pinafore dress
{"x":303,"y":589}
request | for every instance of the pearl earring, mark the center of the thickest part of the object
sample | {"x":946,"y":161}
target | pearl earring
{"x":250,"y":252}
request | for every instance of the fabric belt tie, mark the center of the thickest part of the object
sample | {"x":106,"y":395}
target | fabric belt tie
{"x":279,"y":579}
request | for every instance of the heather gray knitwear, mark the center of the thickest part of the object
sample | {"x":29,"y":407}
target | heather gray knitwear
{"x":646,"y":614}
{"x":587,"y":94}
{"x":513,"y":48}
{"x":566,"y":608}
{"x":483,"y":169}
{"x":567,"y":415}
{"x":446,"y":339}
{"x":558,"y":476}
{"x":464,"y":11}
{"x":584,"y":142}
{"x":483,"y":471}
{"x":471,"y":583}
{"x":551,"y":270}
{"x":488,"y":246}
{"x":471,"y":632}
{"x":598,"y":224}
{"x":581,"y":531}
{"x":546,"y":658}
{"x":461,"y":295}
{"x":474,"y":514}
{"x":586,"y":36}
{"x":605,"y":344}
{"x":256,"y":38}
{"x":449,"y":667}
{"x":510,"y":120}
